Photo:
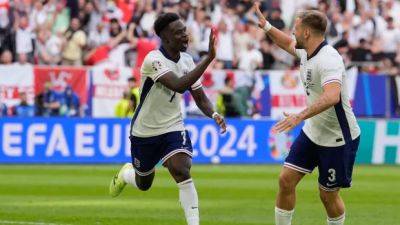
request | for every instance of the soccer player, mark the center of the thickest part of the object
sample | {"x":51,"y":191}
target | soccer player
{"x":330,"y":136}
{"x":157,"y":130}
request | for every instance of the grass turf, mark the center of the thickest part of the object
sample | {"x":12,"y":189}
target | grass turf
{"x":76,"y":194}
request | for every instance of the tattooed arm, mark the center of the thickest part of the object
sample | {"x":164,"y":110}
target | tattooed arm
{"x":329,"y":98}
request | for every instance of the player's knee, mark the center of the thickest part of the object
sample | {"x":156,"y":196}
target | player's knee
{"x":143,"y":186}
{"x":285,"y":183}
{"x":328,"y":197}
{"x":180,"y":173}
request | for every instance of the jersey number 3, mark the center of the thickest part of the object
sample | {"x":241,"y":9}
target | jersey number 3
{"x":332,"y":177}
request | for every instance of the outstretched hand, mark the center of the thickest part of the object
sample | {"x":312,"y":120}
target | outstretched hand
{"x":212,"y":44}
{"x":261,"y":19}
{"x":288,"y":123}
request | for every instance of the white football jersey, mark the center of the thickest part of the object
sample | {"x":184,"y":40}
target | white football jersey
{"x":159,"y":109}
{"x":337,"y":124}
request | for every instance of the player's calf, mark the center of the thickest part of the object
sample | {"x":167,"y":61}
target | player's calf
{"x":179,"y":167}
{"x":334,"y":206}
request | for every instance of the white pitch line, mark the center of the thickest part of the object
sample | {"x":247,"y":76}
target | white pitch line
{"x":28,"y":223}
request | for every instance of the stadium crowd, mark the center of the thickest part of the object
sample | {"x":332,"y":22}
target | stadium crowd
{"x":89,"y":32}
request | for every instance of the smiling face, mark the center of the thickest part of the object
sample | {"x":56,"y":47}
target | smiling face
{"x":176,"y":36}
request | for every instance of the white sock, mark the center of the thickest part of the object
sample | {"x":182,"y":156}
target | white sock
{"x":337,"y":221}
{"x":283,"y":217}
{"x":189,"y":201}
{"x":129,"y":176}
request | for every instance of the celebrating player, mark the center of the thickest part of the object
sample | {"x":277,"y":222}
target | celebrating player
{"x":330,"y":137}
{"x":157,"y":130}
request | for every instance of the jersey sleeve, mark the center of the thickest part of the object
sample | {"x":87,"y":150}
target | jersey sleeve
{"x":196,"y":84}
{"x":331,"y":70}
{"x":154,"y":67}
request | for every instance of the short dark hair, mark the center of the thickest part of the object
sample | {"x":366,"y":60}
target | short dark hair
{"x":163,"y":21}
{"x":315,"y":20}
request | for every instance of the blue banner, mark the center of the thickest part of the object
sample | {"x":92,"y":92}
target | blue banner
{"x":370,"y":96}
{"x":61,"y":140}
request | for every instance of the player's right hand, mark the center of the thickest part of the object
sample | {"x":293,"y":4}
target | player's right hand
{"x":212,"y":44}
{"x":221,"y":122}
{"x":261,"y":19}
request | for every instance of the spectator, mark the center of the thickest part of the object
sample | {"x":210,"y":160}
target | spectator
{"x":196,"y":29}
{"x":276,"y":19}
{"x":75,"y":41}
{"x":225,"y":45}
{"x":123,"y":108}
{"x":268,"y":58}
{"x":390,"y":39}
{"x":134,"y":90}
{"x":23,"y":38}
{"x":38,"y":16}
{"x":22,"y":60}
{"x":143,"y":45}
{"x":102,"y":52}
{"x":48,"y":47}
{"x":148,"y":18}
{"x":51,"y":101}
{"x":70,"y":105}
{"x":23,"y":109}
{"x":376,"y":50}
{"x":115,"y":28}
{"x":251,"y":58}
{"x":98,"y":37}
{"x":241,"y":39}
{"x":85,"y":15}
{"x":363,"y":28}
{"x":361,"y":53}
{"x":60,"y":18}
{"x":6,"y":57}
{"x":227,"y":101}
{"x":3,"y":109}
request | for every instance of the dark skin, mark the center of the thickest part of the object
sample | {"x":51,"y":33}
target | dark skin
{"x":175,"y":40}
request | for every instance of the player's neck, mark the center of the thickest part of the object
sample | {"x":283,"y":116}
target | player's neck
{"x":174,"y":55}
{"x":313,"y":45}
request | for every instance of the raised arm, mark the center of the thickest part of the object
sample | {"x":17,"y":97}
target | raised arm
{"x":181,"y":84}
{"x":329,"y":98}
{"x":281,"y":39}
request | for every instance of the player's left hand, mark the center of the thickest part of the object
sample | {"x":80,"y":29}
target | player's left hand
{"x":288,"y":123}
{"x":221,"y":122}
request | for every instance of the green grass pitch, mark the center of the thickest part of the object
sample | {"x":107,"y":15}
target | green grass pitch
{"x":229,"y":195}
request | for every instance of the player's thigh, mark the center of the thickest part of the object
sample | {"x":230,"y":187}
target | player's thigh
{"x":178,"y":155}
{"x":336,"y":166}
{"x":145,"y":155}
{"x":289,"y":178}
{"x":303,"y":155}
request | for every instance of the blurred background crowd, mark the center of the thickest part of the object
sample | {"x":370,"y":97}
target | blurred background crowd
{"x":89,"y":32}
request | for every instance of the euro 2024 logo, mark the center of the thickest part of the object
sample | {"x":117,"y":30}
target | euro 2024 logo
{"x":279,"y":144}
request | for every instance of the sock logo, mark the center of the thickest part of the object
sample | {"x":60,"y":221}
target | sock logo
{"x":195,"y":207}
{"x":136,"y":162}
